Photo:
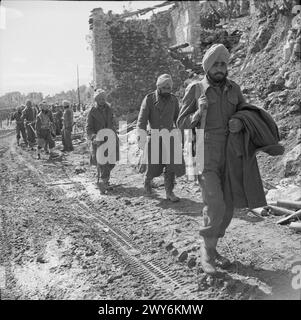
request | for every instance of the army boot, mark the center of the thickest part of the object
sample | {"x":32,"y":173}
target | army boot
{"x":207,"y":256}
{"x":221,"y":261}
{"x":169,"y":185}
{"x":148,"y":186}
{"x":39,"y":153}
{"x":106,"y":184}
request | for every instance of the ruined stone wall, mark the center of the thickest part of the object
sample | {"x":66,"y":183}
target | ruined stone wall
{"x":129,"y":55}
{"x":185,"y":24}
{"x":102,"y":49}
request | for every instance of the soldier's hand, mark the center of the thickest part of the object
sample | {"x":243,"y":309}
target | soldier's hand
{"x":202,"y":104}
{"x":97,"y":143}
{"x":94,"y":141}
{"x":93,"y":136}
{"x":235,"y":125}
{"x":140,"y":142}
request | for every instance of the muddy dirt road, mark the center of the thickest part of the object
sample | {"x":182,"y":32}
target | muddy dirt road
{"x":62,"y":238}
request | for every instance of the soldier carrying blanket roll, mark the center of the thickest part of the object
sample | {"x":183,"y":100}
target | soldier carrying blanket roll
{"x":233,"y":131}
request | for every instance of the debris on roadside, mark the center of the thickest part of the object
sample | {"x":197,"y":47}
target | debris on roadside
{"x":259,"y":212}
{"x":295,"y":226}
{"x":289,"y":204}
{"x":286,"y":208}
{"x":291,"y":210}
{"x":287,"y":219}
{"x":278,"y":211}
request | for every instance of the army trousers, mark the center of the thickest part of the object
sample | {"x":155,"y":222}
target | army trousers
{"x":31,"y":137}
{"x":217,"y":214}
{"x":67,"y":139}
{"x":103,"y":170}
{"x":21,"y":129}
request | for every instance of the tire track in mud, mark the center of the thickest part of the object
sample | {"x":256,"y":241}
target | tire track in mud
{"x":5,"y":249}
{"x":131,"y":253}
{"x":6,"y":273}
{"x":5,"y":140}
{"x":19,"y":273}
{"x":151,"y":271}
{"x":167,"y":283}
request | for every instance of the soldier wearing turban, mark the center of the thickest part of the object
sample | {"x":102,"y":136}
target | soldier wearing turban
{"x":218,"y":52}
{"x":160,"y":110}
{"x":216,"y":105}
{"x":164,"y":84}
{"x":100,"y":117}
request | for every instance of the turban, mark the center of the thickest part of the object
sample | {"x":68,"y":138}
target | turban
{"x":163,"y":80}
{"x":99,"y":93}
{"x":213,"y":53}
{"x":66,"y":103}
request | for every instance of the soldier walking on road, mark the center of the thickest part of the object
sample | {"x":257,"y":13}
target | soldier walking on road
{"x":19,"y":125}
{"x":44,"y":129}
{"x":58,"y":116}
{"x":29,"y":117}
{"x":233,"y":132}
{"x":67,"y":127}
{"x":160,"y":110}
{"x":100,"y":117}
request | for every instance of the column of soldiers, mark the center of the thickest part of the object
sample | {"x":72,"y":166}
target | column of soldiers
{"x":39,"y":125}
{"x":233,"y":131}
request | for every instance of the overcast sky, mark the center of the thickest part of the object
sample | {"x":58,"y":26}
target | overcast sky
{"x":41,"y":42}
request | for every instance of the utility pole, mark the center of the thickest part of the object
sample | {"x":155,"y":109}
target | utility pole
{"x":78,"y":87}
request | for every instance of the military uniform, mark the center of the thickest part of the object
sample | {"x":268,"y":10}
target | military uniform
{"x":44,"y":130}
{"x":20,"y":128}
{"x":222,"y":102}
{"x":29,"y":116}
{"x":161,"y":113}
{"x":67,"y":130}
{"x":58,"y":122}
{"x":100,"y":117}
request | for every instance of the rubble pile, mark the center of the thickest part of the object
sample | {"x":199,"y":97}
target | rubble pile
{"x":270,"y":77}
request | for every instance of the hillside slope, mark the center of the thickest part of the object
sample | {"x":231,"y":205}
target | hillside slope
{"x":258,"y":65}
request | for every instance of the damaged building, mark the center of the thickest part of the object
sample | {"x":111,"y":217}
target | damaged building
{"x":129,"y":52}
